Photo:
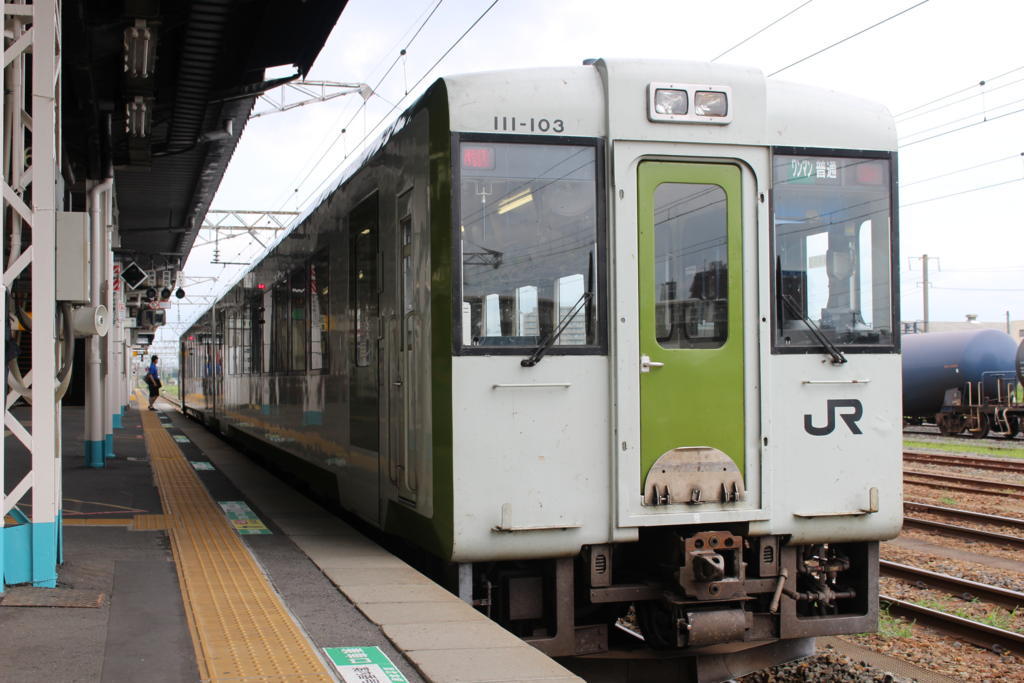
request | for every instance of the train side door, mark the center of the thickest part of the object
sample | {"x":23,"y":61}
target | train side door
{"x":400,"y":387}
{"x":691,"y":333}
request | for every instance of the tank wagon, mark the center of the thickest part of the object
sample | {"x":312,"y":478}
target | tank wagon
{"x":612,"y":335}
{"x":964,"y":381}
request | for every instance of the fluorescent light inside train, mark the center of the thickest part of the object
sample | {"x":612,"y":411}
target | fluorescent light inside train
{"x":514,"y":202}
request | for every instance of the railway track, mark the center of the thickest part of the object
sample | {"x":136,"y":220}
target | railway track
{"x":934,"y":431}
{"x":970,"y":533}
{"x":948,"y":482}
{"x":997,"y":464}
{"x":989,"y":637}
{"x":961,"y":588}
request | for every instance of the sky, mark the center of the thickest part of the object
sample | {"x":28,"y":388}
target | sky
{"x":961,"y":157}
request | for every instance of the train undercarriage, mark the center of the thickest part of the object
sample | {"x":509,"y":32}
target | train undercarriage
{"x":685,"y":594}
{"x":969,"y":411}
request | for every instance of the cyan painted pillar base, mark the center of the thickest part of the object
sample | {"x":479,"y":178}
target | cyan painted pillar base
{"x":94,"y":455}
{"x":29,"y":554}
{"x":265,"y":409}
{"x":312,"y":418}
{"x":117,"y":419}
{"x":108,"y":446}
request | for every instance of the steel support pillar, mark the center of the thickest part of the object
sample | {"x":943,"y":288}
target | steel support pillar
{"x":109,"y":374}
{"x":30,"y":543}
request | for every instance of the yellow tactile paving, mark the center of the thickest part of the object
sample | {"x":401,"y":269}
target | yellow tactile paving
{"x":240,"y":628}
{"x":149,"y":523}
{"x":86,"y":521}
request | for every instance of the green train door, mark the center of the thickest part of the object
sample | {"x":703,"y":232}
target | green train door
{"x":691,"y":333}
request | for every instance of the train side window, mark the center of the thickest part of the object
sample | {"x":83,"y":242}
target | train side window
{"x":691,"y":266}
{"x":279,"y":334}
{"x":364,"y":390}
{"x":527,"y":313}
{"x":568,"y":291}
{"x":319,"y":312}
{"x":297,"y":319}
{"x":257,"y":316}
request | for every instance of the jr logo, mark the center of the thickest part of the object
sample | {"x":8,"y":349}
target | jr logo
{"x":856,"y":411}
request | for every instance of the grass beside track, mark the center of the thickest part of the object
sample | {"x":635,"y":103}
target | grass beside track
{"x":966,"y":448}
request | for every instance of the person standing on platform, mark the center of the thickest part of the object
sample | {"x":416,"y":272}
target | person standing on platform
{"x":153,"y":381}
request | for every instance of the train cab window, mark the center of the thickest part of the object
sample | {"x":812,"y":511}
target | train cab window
{"x":528,"y":244}
{"x":690,"y":266}
{"x":832,"y":252}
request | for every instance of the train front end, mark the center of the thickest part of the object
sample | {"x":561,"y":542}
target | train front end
{"x":675,"y":284}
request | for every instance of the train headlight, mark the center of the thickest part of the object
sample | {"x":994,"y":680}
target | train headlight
{"x":670,"y":101}
{"x":710,"y":103}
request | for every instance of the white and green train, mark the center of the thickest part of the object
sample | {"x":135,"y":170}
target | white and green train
{"x":598,"y":336}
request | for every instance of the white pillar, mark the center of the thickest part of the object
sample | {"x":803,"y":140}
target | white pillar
{"x":94,"y":411}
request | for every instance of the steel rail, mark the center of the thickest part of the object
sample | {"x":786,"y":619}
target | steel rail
{"x":965,"y":489}
{"x":969,"y":515}
{"x":963,"y":532}
{"x":989,"y":637}
{"x":982,"y":485}
{"x":999,"y":464}
{"x":961,"y":588}
{"x":934,"y":431}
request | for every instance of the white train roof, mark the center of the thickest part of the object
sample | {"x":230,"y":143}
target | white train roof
{"x":764,"y":111}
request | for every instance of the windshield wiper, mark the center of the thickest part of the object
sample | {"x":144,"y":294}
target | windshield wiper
{"x":543,"y":347}
{"x":837,"y":356}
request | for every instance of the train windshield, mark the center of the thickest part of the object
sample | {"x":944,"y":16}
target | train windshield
{"x":528,"y":241}
{"x":832,"y":252}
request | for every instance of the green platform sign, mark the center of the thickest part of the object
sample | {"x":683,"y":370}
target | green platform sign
{"x":243,"y":518}
{"x":364,"y":665}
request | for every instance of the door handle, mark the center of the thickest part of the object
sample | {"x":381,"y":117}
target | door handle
{"x":646,"y":364}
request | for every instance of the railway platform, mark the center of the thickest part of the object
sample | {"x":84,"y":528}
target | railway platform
{"x":184,"y":561}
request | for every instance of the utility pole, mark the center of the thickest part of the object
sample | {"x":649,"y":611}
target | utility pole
{"x":924,"y":288}
{"x":923,"y":258}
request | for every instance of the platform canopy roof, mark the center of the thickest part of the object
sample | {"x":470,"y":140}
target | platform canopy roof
{"x":158,"y":93}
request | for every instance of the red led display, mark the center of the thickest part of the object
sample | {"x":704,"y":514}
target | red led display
{"x":870,"y":174}
{"x":478,"y":157}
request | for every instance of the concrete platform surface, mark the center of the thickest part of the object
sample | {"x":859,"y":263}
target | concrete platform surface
{"x":342,"y":589}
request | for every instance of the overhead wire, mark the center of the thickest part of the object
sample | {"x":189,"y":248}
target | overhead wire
{"x":763,"y":29}
{"x":962,"y":118}
{"x":957,"y":130}
{"x":957,"y":92}
{"x":982,"y":84}
{"x":383,"y":118}
{"x":394,"y":106}
{"x":962,"y":192}
{"x":362,"y":106}
{"x":374,"y":70}
{"x":962,"y":170}
{"x":849,"y":37}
